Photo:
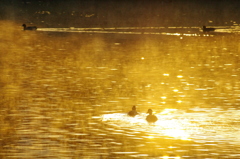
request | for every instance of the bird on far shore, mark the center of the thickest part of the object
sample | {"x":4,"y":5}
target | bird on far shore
{"x":205,"y":29}
{"x":25,"y":27}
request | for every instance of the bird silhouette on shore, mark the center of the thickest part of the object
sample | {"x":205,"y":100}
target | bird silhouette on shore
{"x":25,"y":27}
{"x":205,"y":29}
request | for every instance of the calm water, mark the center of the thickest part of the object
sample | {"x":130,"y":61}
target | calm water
{"x":66,"y":95}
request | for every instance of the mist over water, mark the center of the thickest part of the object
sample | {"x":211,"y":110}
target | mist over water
{"x":66,"y":94}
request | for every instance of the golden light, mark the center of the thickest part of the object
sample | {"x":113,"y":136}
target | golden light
{"x":166,"y":111}
{"x":165,"y":74}
{"x":149,"y":85}
{"x":163,"y":97}
{"x":150,"y":137}
{"x":142,"y":58}
{"x":179,"y":76}
{"x":168,"y":157}
{"x":177,"y":133}
{"x":175,"y":128}
{"x":175,"y":90}
{"x":179,"y":101}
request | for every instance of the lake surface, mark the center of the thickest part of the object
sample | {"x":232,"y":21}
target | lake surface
{"x":65,"y":93}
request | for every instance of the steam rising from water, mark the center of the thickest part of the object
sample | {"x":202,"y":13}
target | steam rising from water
{"x":63,"y":94}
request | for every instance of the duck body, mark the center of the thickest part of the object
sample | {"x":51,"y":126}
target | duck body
{"x":133,"y":112}
{"x":29,"y":27}
{"x":205,"y":29}
{"x":151,"y":118}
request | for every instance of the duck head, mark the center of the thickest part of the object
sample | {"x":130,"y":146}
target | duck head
{"x":134,"y":107}
{"x":149,"y":111}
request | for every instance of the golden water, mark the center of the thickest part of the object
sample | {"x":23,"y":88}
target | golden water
{"x":65,"y":95}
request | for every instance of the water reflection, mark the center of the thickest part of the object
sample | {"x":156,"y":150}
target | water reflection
{"x":172,"y":31}
{"x":63,"y":95}
{"x":139,"y":30}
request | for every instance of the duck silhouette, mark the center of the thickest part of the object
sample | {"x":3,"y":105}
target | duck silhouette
{"x":151,"y":118}
{"x":29,"y":27}
{"x":133,"y":112}
{"x":205,"y":29}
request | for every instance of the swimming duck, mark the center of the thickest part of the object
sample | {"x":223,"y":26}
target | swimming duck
{"x":29,"y":27}
{"x":205,"y":29}
{"x":151,"y":118}
{"x":133,"y":112}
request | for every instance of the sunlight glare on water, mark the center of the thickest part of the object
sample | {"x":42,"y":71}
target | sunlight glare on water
{"x":182,"y":125}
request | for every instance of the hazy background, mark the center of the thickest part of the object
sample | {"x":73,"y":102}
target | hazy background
{"x":121,"y":13}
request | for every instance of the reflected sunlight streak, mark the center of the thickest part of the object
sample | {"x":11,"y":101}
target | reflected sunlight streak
{"x":165,"y":126}
{"x":177,"y":133}
{"x":199,"y":125}
{"x":168,"y":157}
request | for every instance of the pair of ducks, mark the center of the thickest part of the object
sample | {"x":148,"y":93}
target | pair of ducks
{"x":150,"y":118}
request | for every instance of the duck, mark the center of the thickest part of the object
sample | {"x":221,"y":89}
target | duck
{"x":133,"y":112}
{"x":205,"y":29}
{"x":151,"y":118}
{"x":29,"y":27}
